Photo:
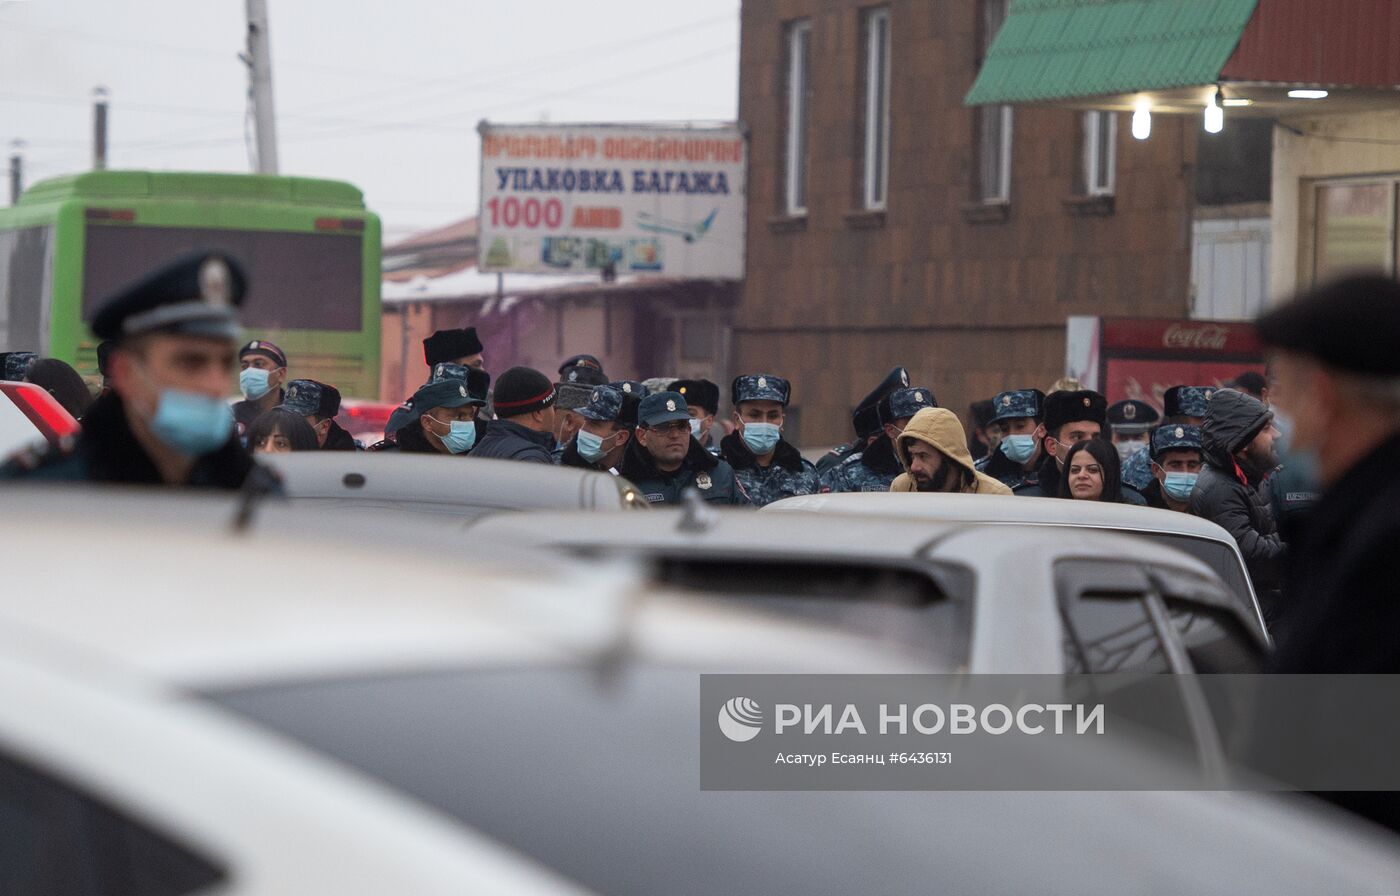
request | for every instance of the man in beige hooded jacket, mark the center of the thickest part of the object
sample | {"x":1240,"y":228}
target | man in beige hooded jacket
{"x":933,"y":450}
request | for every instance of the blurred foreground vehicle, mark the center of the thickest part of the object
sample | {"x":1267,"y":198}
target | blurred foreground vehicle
{"x":359,"y":481}
{"x":29,"y":415}
{"x":415,"y":715}
{"x":1200,"y":538}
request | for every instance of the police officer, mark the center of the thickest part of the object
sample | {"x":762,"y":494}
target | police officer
{"x":871,"y":468}
{"x":664,"y":459}
{"x":262,"y":371}
{"x":866,"y":421}
{"x":1016,"y":462}
{"x":1130,"y":421}
{"x":573,"y":391}
{"x":423,"y":426}
{"x":461,"y":347}
{"x":1176,"y":465}
{"x":166,"y":420}
{"x":702,"y":403}
{"x":609,"y":419}
{"x":767,"y":466}
{"x":1180,"y":404}
{"x":319,"y":403}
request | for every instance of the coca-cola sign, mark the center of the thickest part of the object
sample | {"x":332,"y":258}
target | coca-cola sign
{"x":1196,"y":337}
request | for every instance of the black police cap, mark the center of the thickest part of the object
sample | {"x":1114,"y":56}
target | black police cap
{"x":1351,"y":325}
{"x":866,"y":418}
{"x":196,"y":295}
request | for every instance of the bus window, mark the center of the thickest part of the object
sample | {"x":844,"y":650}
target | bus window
{"x":296,"y":281}
{"x":24,"y":289}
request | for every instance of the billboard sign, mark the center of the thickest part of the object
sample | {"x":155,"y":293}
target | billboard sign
{"x":657,"y":200}
{"x":1141,"y":358}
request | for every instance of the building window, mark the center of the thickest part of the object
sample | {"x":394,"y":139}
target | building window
{"x":1100,"y":152}
{"x":799,"y":94}
{"x":877,"y":107}
{"x":1355,"y":228}
{"x":994,"y":122}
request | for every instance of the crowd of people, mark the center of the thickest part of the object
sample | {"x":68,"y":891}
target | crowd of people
{"x":168,"y":347}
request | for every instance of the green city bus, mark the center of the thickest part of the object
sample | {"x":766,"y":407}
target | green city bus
{"x":310,"y":248}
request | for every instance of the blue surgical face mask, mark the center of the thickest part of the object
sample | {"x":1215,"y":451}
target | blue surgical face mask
{"x":761,"y":438}
{"x":590,"y":447}
{"x":254,"y":383}
{"x":1018,"y":449}
{"x":461,"y":435}
{"x":1178,"y":486}
{"x":1301,"y":463}
{"x":695,"y":427}
{"x":192,"y":424}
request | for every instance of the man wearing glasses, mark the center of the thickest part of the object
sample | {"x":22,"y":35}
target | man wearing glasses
{"x":664,"y":459}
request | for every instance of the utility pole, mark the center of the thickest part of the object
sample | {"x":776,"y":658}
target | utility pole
{"x":99,"y":128}
{"x":16,"y":170}
{"x":259,"y":60}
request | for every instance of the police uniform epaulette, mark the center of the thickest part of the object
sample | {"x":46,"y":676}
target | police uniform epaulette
{"x":853,"y":458}
{"x":383,"y":445}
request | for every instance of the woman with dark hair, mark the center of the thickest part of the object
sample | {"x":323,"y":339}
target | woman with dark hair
{"x":1091,"y":473}
{"x":63,"y":383}
{"x":280,"y":430}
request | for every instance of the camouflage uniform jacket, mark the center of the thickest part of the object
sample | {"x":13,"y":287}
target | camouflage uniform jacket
{"x":1137,"y":469}
{"x":871,"y":470}
{"x":788,"y":475}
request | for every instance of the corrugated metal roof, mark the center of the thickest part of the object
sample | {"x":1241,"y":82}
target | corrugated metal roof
{"x":1352,"y":44}
{"x":1061,"y":49}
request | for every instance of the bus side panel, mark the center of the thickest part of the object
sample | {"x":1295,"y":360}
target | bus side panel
{"x":373,"y":313}
{"x":69,"y":339}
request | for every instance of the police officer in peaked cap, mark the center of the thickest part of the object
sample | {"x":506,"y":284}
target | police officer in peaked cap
{"x":1130,"y":421}
{"x":865,"y":419}
{"x":166,"y":420}
{"x":870,"y":465}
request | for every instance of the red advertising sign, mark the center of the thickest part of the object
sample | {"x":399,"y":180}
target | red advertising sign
{"x":1141,"y":359}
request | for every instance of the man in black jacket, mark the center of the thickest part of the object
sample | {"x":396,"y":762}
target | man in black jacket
{"x":166,"y":420}
{"x":1337,"y":376}
{"x":1237,"y":444}
{"x":524,"y":424}
{"x":664,"y":459}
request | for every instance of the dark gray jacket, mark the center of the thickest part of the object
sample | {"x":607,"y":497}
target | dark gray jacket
{"x":712,"y":477}
{"x":511,"y":441}
{"x":1233,"y":496}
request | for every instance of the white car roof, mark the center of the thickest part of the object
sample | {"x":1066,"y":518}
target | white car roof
{"x":165,"y":592}
{"x":1004,"y":509}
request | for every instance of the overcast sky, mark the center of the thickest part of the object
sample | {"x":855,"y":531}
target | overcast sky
{"x":385,"y":96}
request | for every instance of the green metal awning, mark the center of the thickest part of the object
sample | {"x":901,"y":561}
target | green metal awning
{"x":1063,"y":49}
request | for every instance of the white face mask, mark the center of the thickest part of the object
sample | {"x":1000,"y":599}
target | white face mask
{"x":1129,"y":448}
